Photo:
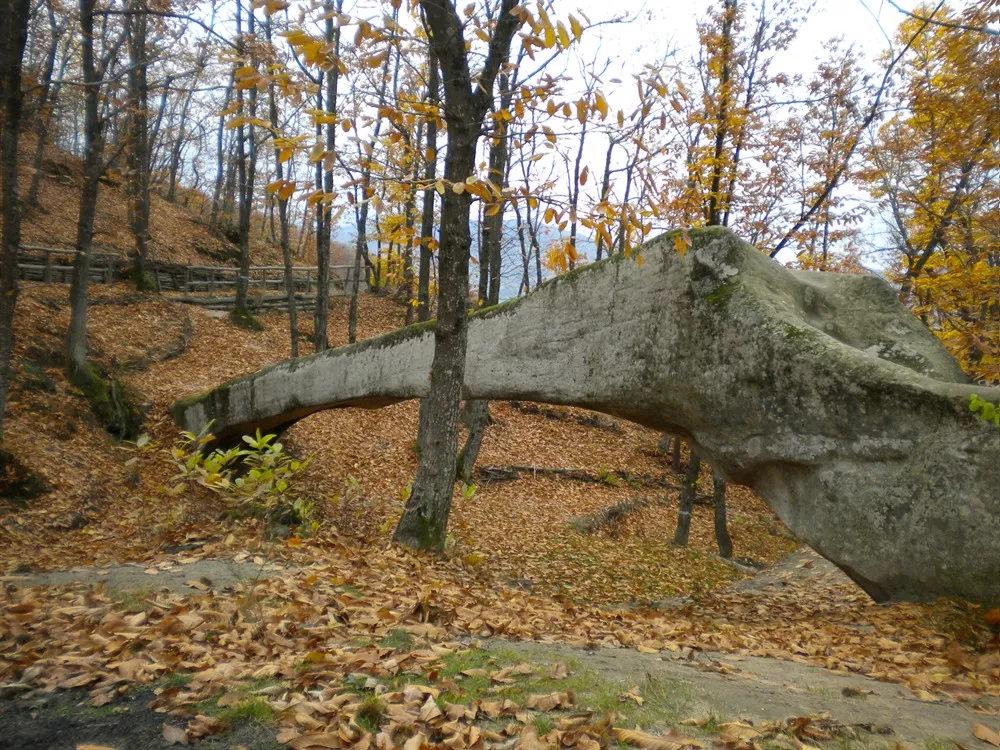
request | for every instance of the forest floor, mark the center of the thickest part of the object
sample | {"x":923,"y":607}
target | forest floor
{"x":192,"y":626}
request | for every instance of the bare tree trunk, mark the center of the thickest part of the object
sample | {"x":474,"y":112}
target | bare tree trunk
{"x":424,"y":522}
{"x":246,"y":170}
{"x":606,"y":188}
{"x":688,"y":492}
{"x":410,"y":213}
{"x":44,"y":114}
{"x":430,"y":173}
{"x":322,"y":315}
{"x":713,"y":212}
{"x":13,"y":35}
{"x":76,"y":339}
{"x":221,"y":164}
{"x":321,"y":311}
{"x":178,"y":146}
{"x":286,"y":249}
{"x":721,"y":526}
{"x":477,"y":413}
{"x":138,"y":140}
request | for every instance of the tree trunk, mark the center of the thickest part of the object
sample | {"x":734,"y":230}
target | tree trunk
{"x":44,"y":106}
{"x":721,"y":526}
{"x":477,"y":413}
{"x":13,"y":35}
{"x":178,"y":146}
{"x":321,"y":311}
{"x":688,"y":492}
{"x":430,"y":173}
{"x":76,"y":339}
{"x":286,"y":248}
{"x":221,"y":163}
{"x":332,"y":79}
{"x":425,"y":520}
{"x":138,"y":140}
{"x":246,"y":168}
{"x":713,"y":212}
{"x":410,"y":213}
{"x":675,"y":456}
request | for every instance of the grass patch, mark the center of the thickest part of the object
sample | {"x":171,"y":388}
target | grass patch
{"x":543,"y":723}
{"x":397,"y":639}
{"x":132,"y":600}
{"x":174,"y":680}
{"x":370,"y":714}
{"x":252,"y":710}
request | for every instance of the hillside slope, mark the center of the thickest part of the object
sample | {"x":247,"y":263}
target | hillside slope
{"x":179,"y":231}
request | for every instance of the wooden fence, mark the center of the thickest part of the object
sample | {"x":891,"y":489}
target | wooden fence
{"x":55,"y":265}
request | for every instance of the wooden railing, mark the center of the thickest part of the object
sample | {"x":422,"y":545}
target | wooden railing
{"x":55,"y":265}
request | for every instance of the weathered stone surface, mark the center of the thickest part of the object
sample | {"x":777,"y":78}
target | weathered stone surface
{"x":818,"y":390}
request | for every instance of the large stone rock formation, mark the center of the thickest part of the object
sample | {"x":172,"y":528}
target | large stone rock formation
{"x":818,"y":390}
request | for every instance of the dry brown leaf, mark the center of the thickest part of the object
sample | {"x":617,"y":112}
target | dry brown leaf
{"x":637,"y":738}
{"x":324,"y":741}
{"x":984,"y":733}
{"x":529,"y":739}
{"x":174,"y":735}
{"x":430,"y":711}
{"x":737,"y":732}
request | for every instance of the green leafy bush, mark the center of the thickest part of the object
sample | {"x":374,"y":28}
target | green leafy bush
{"x":255,"y":475}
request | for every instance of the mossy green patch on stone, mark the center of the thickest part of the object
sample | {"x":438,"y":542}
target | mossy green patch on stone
{"x":721,"y":296}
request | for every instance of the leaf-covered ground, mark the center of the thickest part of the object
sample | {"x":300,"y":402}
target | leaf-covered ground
{"x":515,"y":566}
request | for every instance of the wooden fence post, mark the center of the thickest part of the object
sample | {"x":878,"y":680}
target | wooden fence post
{"x":47,"y":273}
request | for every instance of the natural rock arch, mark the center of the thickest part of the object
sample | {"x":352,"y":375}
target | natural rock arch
{"x":818,"y":390}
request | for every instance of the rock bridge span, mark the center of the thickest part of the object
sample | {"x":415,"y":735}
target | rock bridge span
{"x":818,"y":390}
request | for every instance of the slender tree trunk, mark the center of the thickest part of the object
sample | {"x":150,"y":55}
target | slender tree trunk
{"x":713,"y":213}
{"x":332,"y":80}
{"x":675,"y":456}
{"x":178,"y":146}
{"x":688,"y":492}
{"x":430,"y":173}
{"x":477,"y":413}
{"x":76,"y":340}
{"x":221,"y":163}
{"x":606,"y":188}
{"x":246,"y":171}
{"x":44,"y":107}
{"x":410,"y":213}
{"x":321,"y":311}
{"x":138,"y":140}
{"x":721,"y":526}
{"x":286,"y":248}
{"x":13,"y":35}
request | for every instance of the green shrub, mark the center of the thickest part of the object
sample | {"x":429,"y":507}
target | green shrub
{"x":257,"y":474}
